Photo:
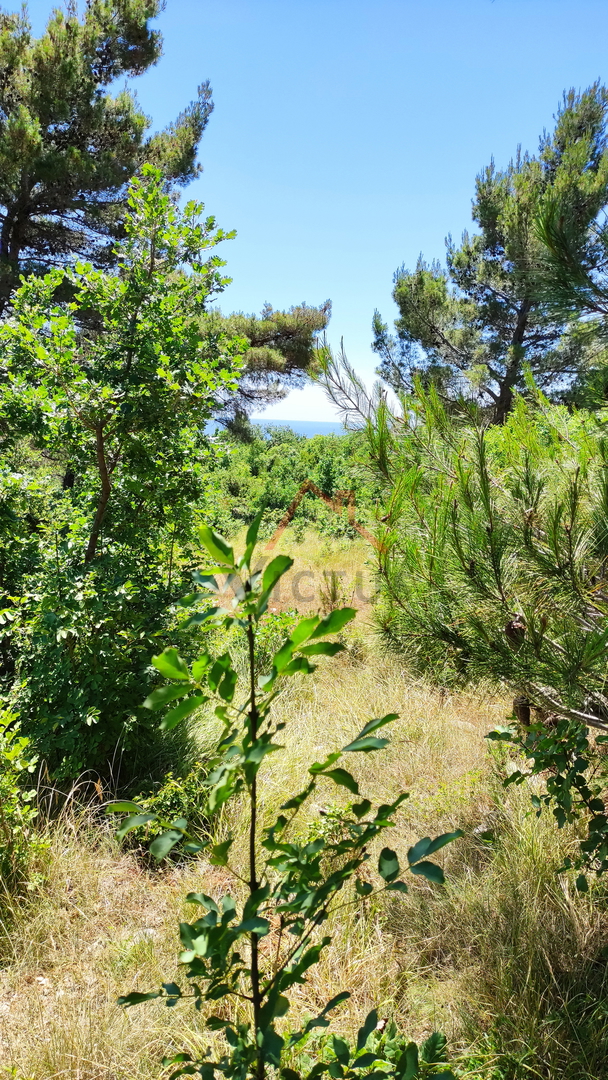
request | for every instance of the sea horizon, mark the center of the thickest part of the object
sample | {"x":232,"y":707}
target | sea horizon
{"x":308,"y":428}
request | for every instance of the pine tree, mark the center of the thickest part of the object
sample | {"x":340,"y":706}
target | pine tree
{"x":475,"y":324}
{"x":281,"y":351}
{"x":493,"y":570}
{"x":68,"y":147}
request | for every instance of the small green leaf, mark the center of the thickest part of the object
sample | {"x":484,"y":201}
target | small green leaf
{"x":419,"y":850}
{"x":323,"y":648}
{"x":430,"y":871}
{"x":171,"y":665}
{"x":433,"y":1049}
{"x":206,"y":581}
{"x":397,"y":886}
{"x":407,"y":1064}
{"x":164,"y":694}
{"x":251,"y":538}
{"x":369,"y":742}
{"x":218,"y":548}
{"x":582,"y":884}
{"x":362,"y":888}
{"x":365,"y":1031}
{"x":334,"y":622}
{"x":274,"y":571}
{"x":136,"y":999}
{"x":373,"y":725}
{"x":341,"y":1049}
{"x":185,"y":708}
{"x":134,"y":822}
{"x":203,"y":900}
{"x":321,"y":766}
{"x":162,"y":845}
{"x":255,"y":925}
{"x":388,"y":864}
{"x":219,"y":853}
{"x":441,"y":841}
{"x":122,"y":808}
{"x":344,"y":778}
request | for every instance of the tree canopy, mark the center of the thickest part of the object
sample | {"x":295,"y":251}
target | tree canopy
{"x":68,"y":147}
{"x":473,"y":325}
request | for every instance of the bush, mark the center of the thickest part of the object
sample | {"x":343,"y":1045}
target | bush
{"x":20,"y":844}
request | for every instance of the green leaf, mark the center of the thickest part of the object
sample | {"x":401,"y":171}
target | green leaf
{"x":419,"y":850}
{"x":274,"y":571}
{"x":134,"y":822}
{"x":388,"y":864}
{"x":206,"y":581}
{"x":218,"y":548}
{"x":397,"y":886}
{"x":364,"y":745}
{"x":171,"y":665}
{"x":122,"y":808}
{"x":255,"y":925}
{"x":323,"y":648}
{"x":201,"y":617}
{"x":407,"y":1065}
{"x":369,"y":1025}
{"x":321,"y":766}
{"x":164,"y":694}
{"x":185,"y":708}
{"x":219,"y":853}
{"x":582,"y":884}
{"x":433,"y":1049}
{"x":430,"y":871}
{"x":302,"y":630}
{"x":373,"y":725}
{"x":441,"y":841}
{"x":251,"y":538}
{"x":341,"y":1049}
{"x":163,"y":844}
{"x":362,"y":888}
{"x":344,"y":778}
{"x":334,"y":622}
{"x":136,"y":999}
{"x":203,"y":900}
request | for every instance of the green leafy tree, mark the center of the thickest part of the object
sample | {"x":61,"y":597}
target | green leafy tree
{"x":135,"y":389}
{"x":121,"y":400}
{"x":68,"y":148}
{"x":292,"y":883}
{"x":473,"y":326}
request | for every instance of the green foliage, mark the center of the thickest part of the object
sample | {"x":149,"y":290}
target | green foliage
{"x":493,"y":569}
{"x":473,"y":326}
{"x":292,"y":884}
{"x":67,"y":146}
{"x":122,"y":405}
{"x":269,"y":471}
{"x":280,"y":351}
{"x":20,"y":844}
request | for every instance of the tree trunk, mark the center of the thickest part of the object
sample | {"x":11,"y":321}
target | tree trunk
{"x":504,"y":403}
{"x":106,"y":489}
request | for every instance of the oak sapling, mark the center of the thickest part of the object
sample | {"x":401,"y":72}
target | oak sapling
{"x":291,"y":884}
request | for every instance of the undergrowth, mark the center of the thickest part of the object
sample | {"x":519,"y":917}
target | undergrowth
{"x":508,"y":959}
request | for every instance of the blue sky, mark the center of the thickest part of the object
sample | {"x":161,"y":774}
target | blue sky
{"x":347,"y":134}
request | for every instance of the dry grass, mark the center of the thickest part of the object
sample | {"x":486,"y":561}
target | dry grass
{"x":507,"y":947}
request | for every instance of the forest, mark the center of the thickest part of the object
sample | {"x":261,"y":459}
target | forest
{"x":303,"y":741}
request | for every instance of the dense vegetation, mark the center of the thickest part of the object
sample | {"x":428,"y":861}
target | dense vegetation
{"x":478,"y":495}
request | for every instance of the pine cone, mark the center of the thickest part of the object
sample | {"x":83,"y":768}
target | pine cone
{"x":516,"y":631}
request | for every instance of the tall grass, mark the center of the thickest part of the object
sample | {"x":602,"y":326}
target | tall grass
{"x":507,"y":958}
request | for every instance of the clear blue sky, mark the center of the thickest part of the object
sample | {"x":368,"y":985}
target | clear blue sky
{"x":347,"y":134}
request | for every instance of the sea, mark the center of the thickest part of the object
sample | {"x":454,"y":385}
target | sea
{"x":308,"y":428}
